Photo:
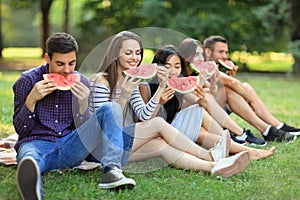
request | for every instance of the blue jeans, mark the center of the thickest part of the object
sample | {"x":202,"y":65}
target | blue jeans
{"x":103,"y":130}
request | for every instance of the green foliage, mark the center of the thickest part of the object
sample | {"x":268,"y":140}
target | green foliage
{"x":19,"y":28}
{"x":112,"y":16}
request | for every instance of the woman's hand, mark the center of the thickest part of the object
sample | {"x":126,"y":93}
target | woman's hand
{"x":127,"y":85}
{"x":162,"y":75}
{"x":167,"y":94}
{"x":200,"y":93}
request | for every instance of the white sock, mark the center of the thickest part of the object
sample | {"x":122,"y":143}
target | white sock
{"x":265,"y":133}
{"x":280,"y":125}
{"x":242,"y":137}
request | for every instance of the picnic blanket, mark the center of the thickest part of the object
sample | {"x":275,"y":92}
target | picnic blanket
{"x":8,"y":154}
{"x":7,"y":151}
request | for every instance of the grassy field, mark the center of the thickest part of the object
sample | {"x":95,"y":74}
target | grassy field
{"x":277,"y":177}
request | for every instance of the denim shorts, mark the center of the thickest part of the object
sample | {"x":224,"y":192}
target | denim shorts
{"x":128,"y":138}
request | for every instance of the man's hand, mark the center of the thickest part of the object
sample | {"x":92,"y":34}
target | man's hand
{"x":38,"y":92}
{"x":233,"y":72}
{"x":81,"y":92}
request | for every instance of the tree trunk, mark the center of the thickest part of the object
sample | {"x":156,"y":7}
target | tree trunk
{"x":1,"y":41}
{"x":45,"y":8}
{"x":67,"y":9}
{"x":295,"y":36}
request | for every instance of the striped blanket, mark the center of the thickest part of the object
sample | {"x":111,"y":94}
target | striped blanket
{"x":7,"y":151}
{"x":8,"y":154}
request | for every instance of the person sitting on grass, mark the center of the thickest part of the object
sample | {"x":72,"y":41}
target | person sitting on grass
{"x":242,"y":99}
{"x":55,"y":128}
{"x":192,"y":50}
{"x":155,"y":137}
{"x":184,"y":112}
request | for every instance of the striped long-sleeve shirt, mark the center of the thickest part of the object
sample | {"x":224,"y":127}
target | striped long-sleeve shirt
{"x":100,"y":93}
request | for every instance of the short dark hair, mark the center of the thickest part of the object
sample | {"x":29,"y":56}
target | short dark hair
{"x":211,"y":40}
{"x":61,"y":43}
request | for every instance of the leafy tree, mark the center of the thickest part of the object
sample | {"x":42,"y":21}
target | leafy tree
{"x":295,"y":35}
{"x":66,"y":22}
{"x":45,"y":6}
{"x":1,"y":42}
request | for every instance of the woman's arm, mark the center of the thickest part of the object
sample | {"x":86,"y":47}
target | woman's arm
{"x":144,"y":91}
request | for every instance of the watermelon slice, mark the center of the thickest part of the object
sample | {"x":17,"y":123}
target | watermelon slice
{"x":144,"y":72}
{"x":227,"y":64}
{"x":183,"y":85}
{"x":205,"y":68}
{"x":62,"y":81}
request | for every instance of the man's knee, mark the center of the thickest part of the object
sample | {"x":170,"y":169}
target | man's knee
{"x":248,"y":87}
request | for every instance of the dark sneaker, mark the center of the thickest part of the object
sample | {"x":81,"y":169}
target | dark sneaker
{"x":290,"y":129}
{"x":233,"y":137}
{"x":27,"y":179}
{"x":252,"y":140}
{"x":279,"y":135}
{"x":114,"y":179}
{"x":227,"y":167}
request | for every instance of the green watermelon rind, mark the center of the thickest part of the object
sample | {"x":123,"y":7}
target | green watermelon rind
{"x":195,"y":69}
{"x":63,"y":88}
{"x":142,"y":78}
{"x":186,"y":91}
{"x":227,"y":67}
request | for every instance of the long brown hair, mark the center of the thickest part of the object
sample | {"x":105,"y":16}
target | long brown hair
{"x":188,"y":48}
{"x":109,"y":63}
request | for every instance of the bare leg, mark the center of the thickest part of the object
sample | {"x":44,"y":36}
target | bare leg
{"x":260,"y":108}
{"x":210,"y":124}
{"x":159,"y":148}
{"x":239,"y":106}
{"x":208,"y":139}
{"x":220,"y":116}
{"x":253,"y":152}
{"x":157,"y":127}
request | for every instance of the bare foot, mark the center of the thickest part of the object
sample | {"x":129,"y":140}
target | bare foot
{"x":256,"y":154}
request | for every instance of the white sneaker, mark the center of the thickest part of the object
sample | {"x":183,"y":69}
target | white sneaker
{"x":227,"y":167}
{"x":221,"y":150}
{"x":27,"y":179}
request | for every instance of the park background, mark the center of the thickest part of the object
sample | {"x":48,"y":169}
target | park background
{"x":264,"y":40}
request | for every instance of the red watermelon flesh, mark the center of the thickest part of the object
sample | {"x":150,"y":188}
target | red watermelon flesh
{"x":205,"y":68}
{"x":63,"y":81}
{"x":144,"y":72}
{"x":183,"y":85}
{"x":227,"y":64}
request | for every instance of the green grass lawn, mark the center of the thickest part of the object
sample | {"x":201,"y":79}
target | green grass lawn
{"x":277,"y":177}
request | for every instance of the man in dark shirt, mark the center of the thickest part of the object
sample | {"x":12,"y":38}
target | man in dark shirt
{"x":55,"y":128}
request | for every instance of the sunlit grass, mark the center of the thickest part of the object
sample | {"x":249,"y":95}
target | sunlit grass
{"x":14,"y":52}
{"x":269,"y":61}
